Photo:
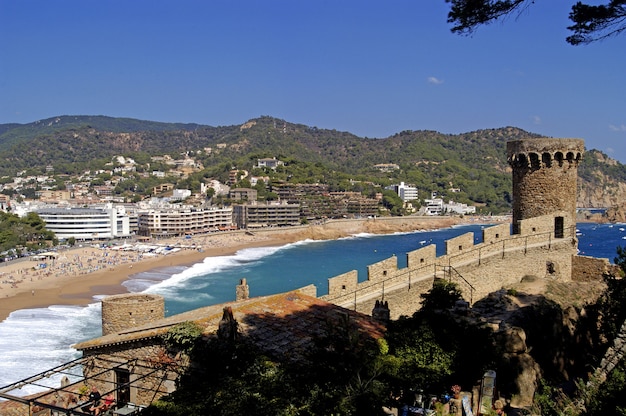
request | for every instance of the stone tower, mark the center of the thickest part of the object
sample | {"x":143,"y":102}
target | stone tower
{"x":544,"y":180}
{"x":120,"y":312}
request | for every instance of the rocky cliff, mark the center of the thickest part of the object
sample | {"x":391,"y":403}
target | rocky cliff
{"x":600,"y":183}
{"x":541,"y":332}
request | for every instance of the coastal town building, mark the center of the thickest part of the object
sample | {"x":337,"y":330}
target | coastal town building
{"x":243,"y":194}
{"x":271,"y":163}
{"x":458,"y":208}
{"x":386,"y":167}
{"x":296,"y":192}
{"x":162,"y":188}
{"x":405,"y":192}
{"x":433,"y":206}
{"x":175,"y":221}
{"x":86,"y":223}
{"x":50,"y":196}
{"x":354,"y":205}
{"x":180,"y":194}
{"x":258,"y":215}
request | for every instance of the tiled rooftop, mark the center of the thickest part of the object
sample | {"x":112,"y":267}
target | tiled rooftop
{"x":283,"y":324}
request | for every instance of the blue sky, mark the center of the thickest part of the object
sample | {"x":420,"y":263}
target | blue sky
{"x":373,"y":68}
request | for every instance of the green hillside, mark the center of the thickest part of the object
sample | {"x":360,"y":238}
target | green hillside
{"x":470,"y":167}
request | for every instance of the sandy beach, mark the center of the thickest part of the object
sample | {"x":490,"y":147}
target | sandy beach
{"x":76,"y":275}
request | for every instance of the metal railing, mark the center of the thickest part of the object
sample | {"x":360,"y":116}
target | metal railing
{"x":476,"y":254}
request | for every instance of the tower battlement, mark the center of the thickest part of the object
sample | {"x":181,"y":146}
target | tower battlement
{"x":544,"y":179}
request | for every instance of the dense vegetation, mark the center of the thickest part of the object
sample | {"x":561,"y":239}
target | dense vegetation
{"x":346,"y":373}
{"x":23,"y":234}
{"x":349,"y":375}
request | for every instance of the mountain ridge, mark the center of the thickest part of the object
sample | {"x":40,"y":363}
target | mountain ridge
{"x":474,"y":161}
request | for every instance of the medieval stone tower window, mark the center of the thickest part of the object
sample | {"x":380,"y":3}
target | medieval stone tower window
{"x":558,"y":227}
{"x":122,"y":380}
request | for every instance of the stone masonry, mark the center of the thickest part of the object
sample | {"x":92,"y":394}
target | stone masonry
{"x":544,"y":177}
{"x":125,"y":311}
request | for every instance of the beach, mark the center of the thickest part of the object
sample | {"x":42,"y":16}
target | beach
{"x":74,"y":276}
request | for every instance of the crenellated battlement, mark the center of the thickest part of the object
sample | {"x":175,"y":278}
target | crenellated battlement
{"x":545,"y":172}
{"x":545,"y":153}
{"x":501,"y":259}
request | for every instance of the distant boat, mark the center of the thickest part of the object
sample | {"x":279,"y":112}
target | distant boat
{"x":621,"y":229}
{"x":423,"y":242}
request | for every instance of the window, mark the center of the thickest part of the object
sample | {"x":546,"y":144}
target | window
{"x":122,"y":385}
{"x":558,"y":227}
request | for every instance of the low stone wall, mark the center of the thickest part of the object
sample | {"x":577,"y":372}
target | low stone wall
{"x":585,"y":269}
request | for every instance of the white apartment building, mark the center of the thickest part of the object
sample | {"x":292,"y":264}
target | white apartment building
{"x":458,"y":208}
{"x":86,"y":223}
{"x":405,"y":192}
{"x":433,"y":206}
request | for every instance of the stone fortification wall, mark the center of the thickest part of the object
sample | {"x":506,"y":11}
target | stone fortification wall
{"x":422,"y":257}
{"x":501,"y":259}
{"x":120,"y":312}
{"x":459,"y":244}
{"x":309,"y":290}
{"x":586,"y":268}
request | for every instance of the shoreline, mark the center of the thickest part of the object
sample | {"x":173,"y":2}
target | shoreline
{"x":79,"y":274}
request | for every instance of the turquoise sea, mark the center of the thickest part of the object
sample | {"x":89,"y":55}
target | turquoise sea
{"x":33,"y":340}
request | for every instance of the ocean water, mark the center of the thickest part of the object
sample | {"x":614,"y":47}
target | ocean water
{"x":34,"y":340}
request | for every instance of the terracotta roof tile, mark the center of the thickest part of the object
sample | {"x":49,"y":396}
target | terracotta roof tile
{"x":286,"y":322}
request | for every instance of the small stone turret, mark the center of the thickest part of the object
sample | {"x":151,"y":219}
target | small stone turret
{"x":120,"y":312}
{"x":381,"y":312}
{"x":544,"y":180}
{"x":242,"y":291}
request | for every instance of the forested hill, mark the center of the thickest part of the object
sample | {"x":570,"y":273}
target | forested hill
{"x":80,"y":139}
{"x":474,"y":162}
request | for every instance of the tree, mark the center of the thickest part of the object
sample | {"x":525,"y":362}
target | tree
{"x":392,"y":202}
{"x":443,"y":295}
{"x":590,"y":23}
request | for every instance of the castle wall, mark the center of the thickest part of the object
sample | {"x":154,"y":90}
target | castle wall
{"x":458,"y":244}
{"x":422,"y":257}
{"x":501,"y":260}
{"x":343,"y":283}
{"x":383,"y":269}
{"x":586,"y":268}
{"x":309,"y":290}
{"x":120,"y":312}
{"x":402,"y":300}
{"x":496,"y":233}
